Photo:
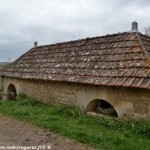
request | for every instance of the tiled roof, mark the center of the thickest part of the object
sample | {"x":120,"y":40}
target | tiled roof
{"x":113,"y":60}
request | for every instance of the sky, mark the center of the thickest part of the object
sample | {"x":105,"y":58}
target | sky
{"x":22,"y":22}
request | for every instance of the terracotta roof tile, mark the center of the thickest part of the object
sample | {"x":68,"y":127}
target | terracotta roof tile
{"x":113,"y":60}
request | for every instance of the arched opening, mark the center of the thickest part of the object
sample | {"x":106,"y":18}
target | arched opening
{"x":11,"y":92}
{"x":102,"y":107}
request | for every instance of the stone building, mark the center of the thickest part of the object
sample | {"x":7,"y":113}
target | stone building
{"x":107,"y":74}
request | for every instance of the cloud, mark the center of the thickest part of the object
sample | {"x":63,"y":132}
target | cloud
{"x":26,"y":21}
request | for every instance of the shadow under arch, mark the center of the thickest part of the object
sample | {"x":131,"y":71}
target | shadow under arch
{"x":100,"y":106}
{"x":11,"y":92}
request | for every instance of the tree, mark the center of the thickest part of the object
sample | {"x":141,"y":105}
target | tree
{"x":147,"y":30}
{"x":9,"y":60}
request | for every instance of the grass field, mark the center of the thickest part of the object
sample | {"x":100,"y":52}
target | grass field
{"x":101,"y":133}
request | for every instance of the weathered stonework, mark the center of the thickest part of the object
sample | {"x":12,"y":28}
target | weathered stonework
{"x":125,"y":101}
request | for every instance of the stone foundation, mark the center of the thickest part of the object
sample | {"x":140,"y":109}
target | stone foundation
{"x":128,"y":102}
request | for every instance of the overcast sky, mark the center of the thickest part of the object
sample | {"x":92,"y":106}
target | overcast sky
{"x":49,"y":21}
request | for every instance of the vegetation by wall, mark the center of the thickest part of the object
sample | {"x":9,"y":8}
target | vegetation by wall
{"x":98,"y":132}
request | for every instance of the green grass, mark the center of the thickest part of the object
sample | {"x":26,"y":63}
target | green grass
{"x":99,"y":132}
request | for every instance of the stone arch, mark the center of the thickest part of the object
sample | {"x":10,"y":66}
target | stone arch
{"x":11,"y":92}
{"x":102,"y":107}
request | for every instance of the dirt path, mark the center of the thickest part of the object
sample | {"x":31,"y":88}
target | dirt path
{"x":13,"y":132}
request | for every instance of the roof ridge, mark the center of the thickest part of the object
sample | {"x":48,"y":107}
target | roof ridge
{"x":142,"y":46}
{"x":84,"y":39}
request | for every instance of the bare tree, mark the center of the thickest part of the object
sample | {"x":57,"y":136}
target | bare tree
{"x":9,"y":60}
{"x":147,"y":30}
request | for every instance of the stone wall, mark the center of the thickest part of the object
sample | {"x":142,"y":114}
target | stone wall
{"x":128,"y":102}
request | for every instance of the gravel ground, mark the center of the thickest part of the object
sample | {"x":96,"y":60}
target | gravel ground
{"x":17,"y":133}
